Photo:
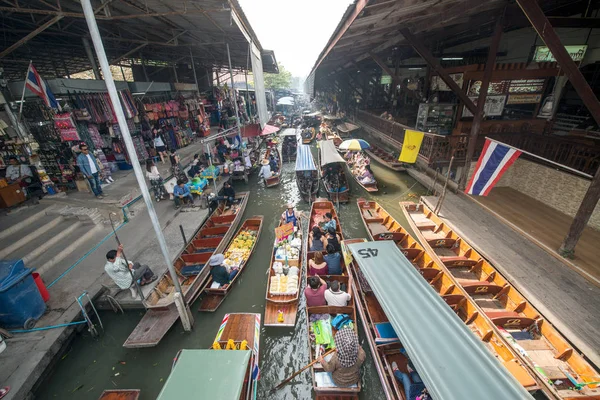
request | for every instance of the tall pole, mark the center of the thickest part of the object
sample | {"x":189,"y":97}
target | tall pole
{"x":246,"y":77}
{"x":90,"y":56}
{"x":114,"y":98}
{"x":237,"y":114}
{"x":194,"y":70}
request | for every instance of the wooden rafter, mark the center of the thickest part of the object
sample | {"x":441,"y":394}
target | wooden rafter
{"x":30,"y":36}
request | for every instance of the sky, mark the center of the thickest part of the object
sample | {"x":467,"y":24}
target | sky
{"x":297,"y":30}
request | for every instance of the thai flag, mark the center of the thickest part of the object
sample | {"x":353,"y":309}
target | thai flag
{"x":36,"y":84}
{"x":493,"y":162}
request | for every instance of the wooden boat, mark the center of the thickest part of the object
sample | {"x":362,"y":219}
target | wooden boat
{"x":289,"y":145}
{"x":308,"y":139}
{"x":548,"y":354}
{"x":382,"y":226}
{"x":320,"y":207}
{"x":331,"y":135}
{"x":287,"y":304}
{"x":335,"y":182}
{"x":369,"y":187}
{"x":213,"y":297}
{"x":120,"y":394}
{"x":307,"y":176}
{"x":385,"y":158}
{"x":275,"y":178}
{"x":229,"y":370}
{"x":212,"y":237}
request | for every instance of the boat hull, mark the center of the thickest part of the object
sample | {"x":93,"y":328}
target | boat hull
{"x":275,"y":179}
{"x":384,"y":158}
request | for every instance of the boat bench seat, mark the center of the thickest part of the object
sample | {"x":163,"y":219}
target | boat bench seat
{"x":190,"y":270}
{"x":205,"y":250}
{"x":385,"y":334}
{"x":502,"y":313}
{"x":436,"y":241}
{"x":512,"y":322}
{"x":480,"y":287}
{"x":411,"y":253}
{"x":457,"y":261}
{"x":377,"y":228}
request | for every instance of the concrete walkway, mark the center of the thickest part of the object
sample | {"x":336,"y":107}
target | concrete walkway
{"x":28,"y":355}
{"x":565,"y":298}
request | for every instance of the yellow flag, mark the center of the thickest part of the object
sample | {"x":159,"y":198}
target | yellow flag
{"x":411,"y":146}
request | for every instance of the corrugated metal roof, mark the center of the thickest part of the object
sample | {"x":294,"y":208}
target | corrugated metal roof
{"x":328,"y":153}
{"x":304,"y":159}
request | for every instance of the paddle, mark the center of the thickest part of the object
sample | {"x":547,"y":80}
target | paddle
{"x":283,"y":383}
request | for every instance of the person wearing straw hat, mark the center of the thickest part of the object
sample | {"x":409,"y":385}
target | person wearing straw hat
{"x":344,"y":365}
{"x":219,"y":272}
{"x":290,"y":215}
{"x":265,"y":170}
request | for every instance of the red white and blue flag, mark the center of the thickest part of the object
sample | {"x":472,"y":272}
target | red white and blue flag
{"x":493,"y":162}
{"x":36,"y":84}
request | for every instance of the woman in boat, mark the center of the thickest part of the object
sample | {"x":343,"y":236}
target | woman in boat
{"x":317,"y":265}
{"x":414,"y":388}
{"x":219,"y":272}
{"x":366,"y":175}
{"x":333,"y":260}
{"x":333,"y":238}
{"x":344,"y":365}
{"x":265,"y":171}
{"x":290,"y":215}
{"x":316,"y":240}
{"x":315,"y":292}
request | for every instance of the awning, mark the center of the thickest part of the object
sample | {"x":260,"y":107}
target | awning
{"x":304,"y":158}
{"x":347,"y":127}
{"x":251,"y":130}
{"x":269,"y":129}
{"x":451,"y":360}
{"x":207,"y":374}
{"x":328,"y":153}
{"x":288,"y":132}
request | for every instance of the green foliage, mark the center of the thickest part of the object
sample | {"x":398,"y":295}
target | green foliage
{"x":282,"y":80}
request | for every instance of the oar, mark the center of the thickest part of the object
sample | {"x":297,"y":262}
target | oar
{"x":283,"y":383}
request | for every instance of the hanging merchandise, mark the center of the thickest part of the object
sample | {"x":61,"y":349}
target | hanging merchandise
{"x":66,"y":127}
{"x":95,"y":136}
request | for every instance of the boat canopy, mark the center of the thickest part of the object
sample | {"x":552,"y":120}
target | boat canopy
{"x":315,"y":114}
{"x":207,"y":374}
{"x":347,"y":127}
{"x":330,"y":117}
{"x":451,"y":360}
{"x":328,"y":153}
{"x":304,"y":158}
{"x":288,"y":132}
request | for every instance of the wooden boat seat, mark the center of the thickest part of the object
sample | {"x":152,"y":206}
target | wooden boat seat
{"x":429,"y":273}
{"x":534,"y":344}
{"x":206,"y":243}
{"x":453,"y":299}
{"x":377,"y":228}
{"x":371,"y":215}
{"x":422,"y":222}
{"x":480,"y":287}
{"x":503,"y":313}
{"x":519,"y":322}
{"x":437,"y":242}
{"x":412,"y":253}
{"x":520,"y":373}
{"x":395,"y":236}
{"x":457,"y":261}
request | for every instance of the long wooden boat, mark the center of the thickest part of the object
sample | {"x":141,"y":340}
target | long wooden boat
{"x":212,"y":297}
{"x":307,"y":175}
{"x":381,"y":225}
{"x":561,"y":368}
{"x":275,"y":178}
{"x":385,"y":158}
{"x":335,"y":182}
{"x":120,"y":394}
{"x":331,"y":135}
{"x":211,"y":237}
{"x":327,"y":391}
{"x":277,"y":299}
{"x":369,"y":187}
{"x":229,"y":370}
{"x":309,"y":139}
{"x":289,"y":145}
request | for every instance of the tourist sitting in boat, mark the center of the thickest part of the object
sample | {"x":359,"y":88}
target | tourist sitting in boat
{"x":414,"y":388}
{"x":333,"y":260}
{"x":181,"y":193}
{"x":334,"y":296}
{"x":317,"y":265}
{"x":290,"y":215}
{"x":366,"y":175}
{"x":265,"y":170}
{"x":333,"y":239}
{"x":228,"y":193}
{"x":316,"y":240}
{"x":344,"y":365}
{"x":124,"y":275}
{"x":273,"y":164}
{"x":315,"y":292}
{"x":349,"y":155}
{"x":219,"y":272}
{"x":328,"y":222}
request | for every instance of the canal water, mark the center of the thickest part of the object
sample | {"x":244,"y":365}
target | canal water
{"x":93,"y":365}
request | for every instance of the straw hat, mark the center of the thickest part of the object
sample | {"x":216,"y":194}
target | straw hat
{"x":216,"y":259}
{"x":265,"y":162}
{"x":290,"y":205}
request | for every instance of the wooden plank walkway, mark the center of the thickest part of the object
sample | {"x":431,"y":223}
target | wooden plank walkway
{"x":546,"y":226}
{"x":564,"y":297}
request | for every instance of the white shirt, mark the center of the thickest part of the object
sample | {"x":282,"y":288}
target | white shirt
{"x":14,"y":172}
{"x":265,"y":172}
{"x":153,"y":174}
{"x":93,"y":167}
{"x":119,"y":272}
{"x":339,"y":299}
{"x":158,"y":142}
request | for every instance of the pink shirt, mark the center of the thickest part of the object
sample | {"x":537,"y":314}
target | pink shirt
{"x":315,"y":297}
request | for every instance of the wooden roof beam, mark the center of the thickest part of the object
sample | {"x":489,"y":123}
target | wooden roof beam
{"x":435,"y":65}
{"x":37,"y":11}
{"x":30,"y":36}
{"x":395,"y":79}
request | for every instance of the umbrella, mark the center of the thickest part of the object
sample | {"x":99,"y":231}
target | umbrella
{"x":354,"y":144}
{"x":268,"y":129}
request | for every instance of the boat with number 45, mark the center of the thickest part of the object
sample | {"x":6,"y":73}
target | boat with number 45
{"x":237,"y":255}
{"x":564,"y":371}
{"x":229,"y":370}
{"x":211,"y":238}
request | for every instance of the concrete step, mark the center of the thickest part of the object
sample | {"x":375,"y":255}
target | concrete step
{"x":84,"y":214}
{"x":29,"y":233}
{"x":20,"y":218}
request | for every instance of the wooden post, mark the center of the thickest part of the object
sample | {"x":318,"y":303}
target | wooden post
{"x":433,"y":63}
{"x":540,"y":23}
{"x":485,"y":84}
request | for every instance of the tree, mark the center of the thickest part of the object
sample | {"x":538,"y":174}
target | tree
{"x":282,"y":80}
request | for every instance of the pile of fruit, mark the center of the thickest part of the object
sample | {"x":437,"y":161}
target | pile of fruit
{"x":283,"y":285}
{"x":240,"y":248}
